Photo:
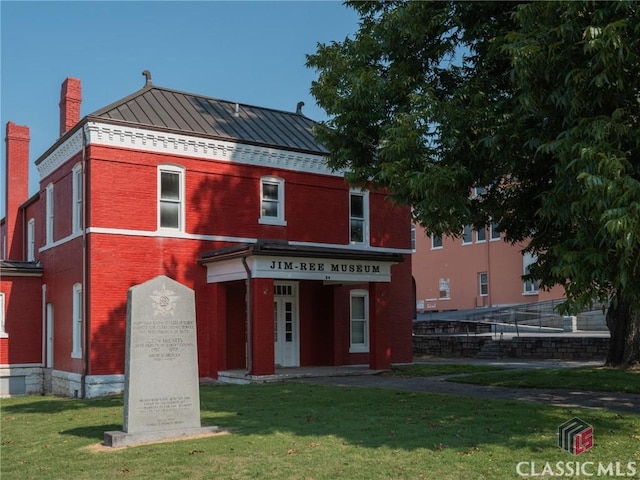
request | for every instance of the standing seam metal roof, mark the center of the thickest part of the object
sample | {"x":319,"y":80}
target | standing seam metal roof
{"x":195,"y":114}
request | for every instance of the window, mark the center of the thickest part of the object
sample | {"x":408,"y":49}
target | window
{"x":436,"y":241}
{"x":359,"y":321}
{"x":495,"y":233}
{"x":530,"y":287}
{"x":170,"y":198}
{"x":49,"y":214}
{"x":358,"y":217}
{"x":272,"y":201}
{"x":3,"y":332}
{"x":481,"y":235}
{"x":31,"y":240}
{"x":77,"y":322}
{"x":445,"y":290}
{"x":76,"y":207}
{"x":466,"y":234}
{"x":478,"y":191}
{"x":483,"y":284}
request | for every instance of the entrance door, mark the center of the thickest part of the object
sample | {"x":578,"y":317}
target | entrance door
{"x":286,"y":324}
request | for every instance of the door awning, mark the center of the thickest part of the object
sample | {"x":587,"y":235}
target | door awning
{"x":281,"y":260}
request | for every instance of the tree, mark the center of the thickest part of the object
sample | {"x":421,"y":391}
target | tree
{"x":538,"y":102}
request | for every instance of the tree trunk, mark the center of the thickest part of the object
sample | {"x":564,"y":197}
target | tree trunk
{"x":623,"y":320}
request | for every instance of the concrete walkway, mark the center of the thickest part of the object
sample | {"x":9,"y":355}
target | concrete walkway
{"x":620,"y":402}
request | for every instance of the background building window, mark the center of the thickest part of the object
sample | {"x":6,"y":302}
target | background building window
{"x":495,"y":233}
{"x":358,"y":217}
{"x":466,"y":234}
{"x":77,"y":322}
{"x":481,"y":235}
{"x":170,"y":198}
{"x":359,"y":321}
{"x":436,"y":241}
{"x":529,"y":286}
{"x":445,"y":290}
{"x":272,"y":201}
{"x":483,"y":281}
{"x":3,"y":332}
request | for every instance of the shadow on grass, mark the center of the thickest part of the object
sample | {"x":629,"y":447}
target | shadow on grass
{"x":370,"y":418}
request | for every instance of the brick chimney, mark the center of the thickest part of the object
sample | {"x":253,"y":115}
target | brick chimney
{"x":70,"y":100}
{"x":17,"y":188}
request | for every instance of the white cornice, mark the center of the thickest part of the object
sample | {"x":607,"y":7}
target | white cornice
{"x":189,"y":146}
{"x":67,"y":149}
{"x":211,"y":149}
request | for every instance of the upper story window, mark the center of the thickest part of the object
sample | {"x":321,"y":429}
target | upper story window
{"x":272,"y":201}
{"x":481,"y":235}
{"x":76,"y":206}
{"x":483,"y":284}
{"x":359,"y":217}
{"x":49,"y":214}
{"x":466,"y":234}
{"x":495,"y":233}
{"x":170,"y":198}
{"x":31,"y":240}
{"x":444,"y":287}
{"x":436,"y":241}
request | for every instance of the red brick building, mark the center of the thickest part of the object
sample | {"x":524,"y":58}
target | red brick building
{"x":290,"y":266}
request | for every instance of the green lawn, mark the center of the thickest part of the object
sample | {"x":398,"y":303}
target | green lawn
{"x":438,"y":369}
{"x":593,"y":379}
{"x":305,"y":431}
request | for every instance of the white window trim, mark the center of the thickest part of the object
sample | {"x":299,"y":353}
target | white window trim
{"x":3,"y":332}
{"x":365,"y":213}
{"x":31,"y":240}
{"x":49,"y":214}
{"x":76,"y":327}
{"x":480,"y":274}
{"x":181,"y":212}
{"x":279,"y":219}
{"x":359,"y":347}
{"x":76,"y":203}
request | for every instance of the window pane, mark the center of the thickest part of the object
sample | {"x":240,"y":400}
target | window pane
{"x":269,"y":209}
{"x":169,"y":214}
{"x":481,"y":235}
{"x":436,"y":241}
{"x":170,"y":186}
{"x":466,"y":234}
{"x":357,"y":308}
{"x":357,"y":206}
{"x":270,"y":191}
{"x":357,"y":231}
{"x":357,"y":332}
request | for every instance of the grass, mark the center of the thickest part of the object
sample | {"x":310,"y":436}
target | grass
{"x":306,"y":431}
{"x":591,"y":379}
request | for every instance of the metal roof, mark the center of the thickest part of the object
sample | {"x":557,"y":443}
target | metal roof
{"x":166,"y":109}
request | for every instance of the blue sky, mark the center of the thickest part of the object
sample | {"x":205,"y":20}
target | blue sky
{"x":250,"y":52}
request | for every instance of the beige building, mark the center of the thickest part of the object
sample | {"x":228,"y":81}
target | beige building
{"x":478,"y":270}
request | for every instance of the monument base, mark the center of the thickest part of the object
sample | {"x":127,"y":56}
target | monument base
{"x":119,"y":438}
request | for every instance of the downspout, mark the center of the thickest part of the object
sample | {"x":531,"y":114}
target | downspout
{"x":249,"y":303}
{"x":85,"y":316}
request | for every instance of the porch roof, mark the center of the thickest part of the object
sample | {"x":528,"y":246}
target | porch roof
{"x":275,"y":248}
